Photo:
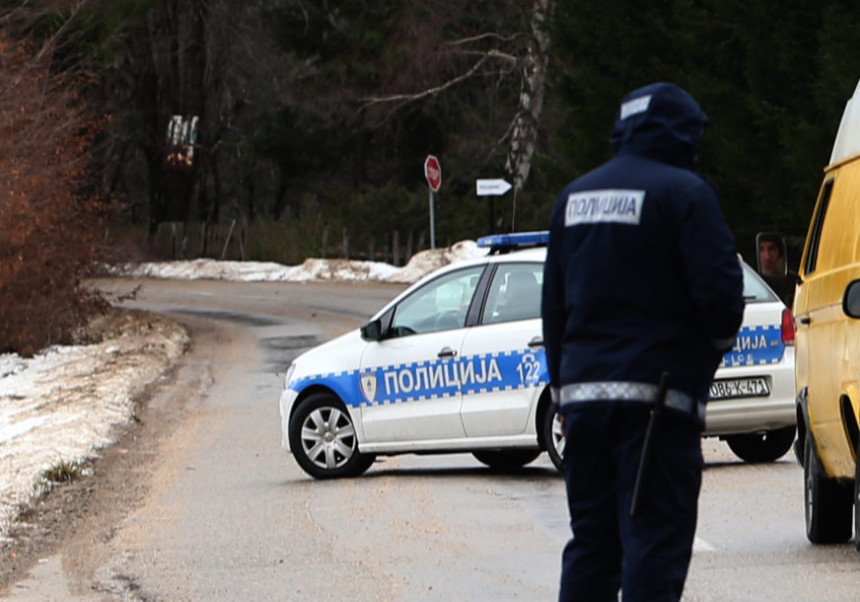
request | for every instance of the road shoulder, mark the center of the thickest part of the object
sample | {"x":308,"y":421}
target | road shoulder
{"x":81,"y":516}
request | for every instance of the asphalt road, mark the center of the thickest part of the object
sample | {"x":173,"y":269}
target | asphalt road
{"x":228,"y":515}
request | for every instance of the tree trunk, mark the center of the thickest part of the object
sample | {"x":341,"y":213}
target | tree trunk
{"x":534,"y":76}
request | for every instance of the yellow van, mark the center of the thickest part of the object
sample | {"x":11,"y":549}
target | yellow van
{"x":827,"y":365}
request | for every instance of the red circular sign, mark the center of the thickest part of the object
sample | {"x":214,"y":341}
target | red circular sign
{"x":433,"y":172}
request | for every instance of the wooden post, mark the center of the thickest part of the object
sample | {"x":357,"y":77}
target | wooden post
{"x":227,"y":240}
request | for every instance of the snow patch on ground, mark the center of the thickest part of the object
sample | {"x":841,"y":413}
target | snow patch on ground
{"x":63,"y":405}
{"x":311,"y":269}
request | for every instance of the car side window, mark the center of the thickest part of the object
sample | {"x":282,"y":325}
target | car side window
{"x":755,"y":289}
{"x":441,"y":304}
{"x":514,"y":293}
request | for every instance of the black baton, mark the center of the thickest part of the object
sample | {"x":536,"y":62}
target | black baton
{"x":645,"y":459}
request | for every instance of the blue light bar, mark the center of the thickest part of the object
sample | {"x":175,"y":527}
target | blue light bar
{"x":519,"y":240}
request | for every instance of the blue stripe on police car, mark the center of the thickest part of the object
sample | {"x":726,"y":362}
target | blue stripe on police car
{"x":756,"y":345}
{"x":418,"y":381}
{"x":492,"y":372}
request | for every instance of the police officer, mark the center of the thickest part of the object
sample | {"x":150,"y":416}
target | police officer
{"x":642,"y":277}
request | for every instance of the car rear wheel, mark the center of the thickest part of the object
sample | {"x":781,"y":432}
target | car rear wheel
{"x":762,"y":447}
{"x":506,"y":459}
{"x":323,"y":440}
{"x":553,"y":437}
{"x":827,"y":503}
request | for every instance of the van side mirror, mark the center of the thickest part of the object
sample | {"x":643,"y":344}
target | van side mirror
{"x":851,"y":300}
{"x":771,"y":254}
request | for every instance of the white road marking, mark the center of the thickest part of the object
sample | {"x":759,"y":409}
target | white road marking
{"x":700,"y":545}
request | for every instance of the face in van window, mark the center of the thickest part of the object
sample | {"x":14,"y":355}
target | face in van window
{"x":771,"y":256}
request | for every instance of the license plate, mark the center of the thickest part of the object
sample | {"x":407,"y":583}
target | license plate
{"x":740,"y":387}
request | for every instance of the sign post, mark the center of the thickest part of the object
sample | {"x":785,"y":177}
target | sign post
{"x":492,"y":187}
{"x":433,"y":174}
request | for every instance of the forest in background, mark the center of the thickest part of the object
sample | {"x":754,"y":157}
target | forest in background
{"x":314,"y":117}
{"x":283,"y":129}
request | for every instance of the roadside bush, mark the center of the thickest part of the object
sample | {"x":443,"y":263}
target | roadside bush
{"x":49,"y":220}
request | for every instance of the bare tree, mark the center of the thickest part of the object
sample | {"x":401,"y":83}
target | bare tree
{"x":509,"y":57}
{"x":49,"y":216}
{"x":533,"y":81}
{"x":180,"y":59}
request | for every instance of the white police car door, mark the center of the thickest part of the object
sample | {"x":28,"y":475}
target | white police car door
{"x":412,"y":381}
{"x":508,"y":343}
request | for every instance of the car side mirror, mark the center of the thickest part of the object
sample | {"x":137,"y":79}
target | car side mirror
{"x":372,"y":331}
{"x":851,"y":300}
{"x":771,"y":254}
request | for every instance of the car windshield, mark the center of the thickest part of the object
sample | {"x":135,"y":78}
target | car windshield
{"x":755,"y":289}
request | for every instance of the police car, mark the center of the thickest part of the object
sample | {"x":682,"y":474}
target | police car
{"x":455,"y":364}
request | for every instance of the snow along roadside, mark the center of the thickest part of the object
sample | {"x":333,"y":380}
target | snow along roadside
{"x":62,"y":406}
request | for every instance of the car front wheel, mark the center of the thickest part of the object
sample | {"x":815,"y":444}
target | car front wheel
{"x":323,"y":440}
{"x":762,"y":447}
{"x":827,"y":503}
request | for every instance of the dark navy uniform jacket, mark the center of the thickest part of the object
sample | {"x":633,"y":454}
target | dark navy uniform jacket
{"x":642,"y":274}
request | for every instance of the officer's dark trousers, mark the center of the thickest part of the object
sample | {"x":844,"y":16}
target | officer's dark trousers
{"x":646,"y":557}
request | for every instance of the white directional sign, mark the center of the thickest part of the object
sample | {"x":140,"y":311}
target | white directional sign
{"x":492,"y":187}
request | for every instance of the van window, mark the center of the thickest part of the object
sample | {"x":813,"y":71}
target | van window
{"x":818,"y":224}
